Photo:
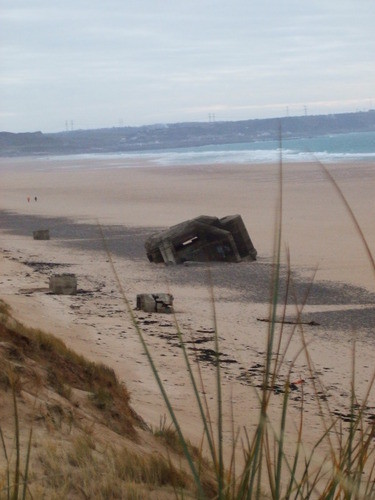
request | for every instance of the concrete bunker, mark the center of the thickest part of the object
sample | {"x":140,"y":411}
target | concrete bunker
{"x":63,"y":284}
{"x":155,"y":302}
{"x":41,"y":234}
{"x":204,"y":238}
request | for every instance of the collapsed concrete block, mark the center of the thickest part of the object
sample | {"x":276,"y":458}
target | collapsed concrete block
{"x":155,"y":302}
{"x":202,"y":239}
{"x":41,"y":234}
{"x":235,"y":225}
{"x":63,"y":284}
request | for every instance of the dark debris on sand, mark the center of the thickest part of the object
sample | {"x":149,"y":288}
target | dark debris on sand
{"x":250,"y":281}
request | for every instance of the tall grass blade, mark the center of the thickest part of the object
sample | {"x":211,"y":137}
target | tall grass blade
{"x":256,"y":467}
{"x":218,"y":389}
{"x":352,"y":423}
{"x":203,"y":406}
{"x":205,"y":413}
{"x":296,"y":453}
{"x":280,"y":454}
{"x":18,"y":451}
{"x":153,"y":367}
{"x":350,"y":212}
{"x":7,"y":463}
{"x":27,"y":465}
{"x":203,"y":409}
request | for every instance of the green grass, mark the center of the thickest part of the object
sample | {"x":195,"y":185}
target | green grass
{"x":15,"y":478}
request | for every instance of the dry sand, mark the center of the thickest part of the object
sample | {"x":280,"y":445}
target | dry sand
{"x":130,"y":201}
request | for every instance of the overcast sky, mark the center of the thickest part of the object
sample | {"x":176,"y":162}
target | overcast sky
{"x":96,"y":63}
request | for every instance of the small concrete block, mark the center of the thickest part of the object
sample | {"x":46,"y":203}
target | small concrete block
{"x":41,"y":234}
{"x":63,"y":284}
{"x":146,"y":302}
{"x":155,"y":302}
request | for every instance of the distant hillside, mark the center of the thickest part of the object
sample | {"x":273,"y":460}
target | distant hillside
{"x":178,"y":135}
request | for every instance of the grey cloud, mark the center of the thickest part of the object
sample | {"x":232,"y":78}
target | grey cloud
{"x":154,"y":59}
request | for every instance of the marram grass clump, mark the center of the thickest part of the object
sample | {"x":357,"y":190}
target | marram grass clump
{"x":67,"y":430}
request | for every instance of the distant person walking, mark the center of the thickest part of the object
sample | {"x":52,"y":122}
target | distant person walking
{"x":36,"y":198}
{"x":28,"y":199}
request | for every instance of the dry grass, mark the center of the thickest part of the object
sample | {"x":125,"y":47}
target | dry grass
{"x":63,"y":369}
{"x":84,"y":470}
{"x":67,"y":429}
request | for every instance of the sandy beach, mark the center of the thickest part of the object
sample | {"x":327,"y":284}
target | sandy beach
{"x":130,"y":201}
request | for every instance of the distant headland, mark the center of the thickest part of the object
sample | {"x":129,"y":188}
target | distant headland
{"x":180,"y":135}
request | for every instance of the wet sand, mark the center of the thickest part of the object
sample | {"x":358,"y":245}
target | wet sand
{"x":130,"y":202}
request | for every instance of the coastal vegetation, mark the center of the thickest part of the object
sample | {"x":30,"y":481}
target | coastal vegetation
{"x":67,"y":429}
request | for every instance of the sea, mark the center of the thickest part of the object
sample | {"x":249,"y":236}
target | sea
{"x":356,"y":146}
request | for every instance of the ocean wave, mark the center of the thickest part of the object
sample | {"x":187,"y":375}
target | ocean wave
{"x":339,"y":148}
{"x":254,"y":156}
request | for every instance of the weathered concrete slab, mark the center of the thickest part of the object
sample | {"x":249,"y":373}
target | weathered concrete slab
{"x":63,"y":284}
{"x":155,"y":302}
{"x":41,"y":234}
{"x":235,"y":225}
{"x":202,"y":239}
